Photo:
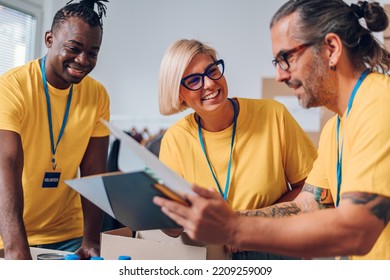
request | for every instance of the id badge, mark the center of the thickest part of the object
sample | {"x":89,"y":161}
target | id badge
{"x":51,"y":178}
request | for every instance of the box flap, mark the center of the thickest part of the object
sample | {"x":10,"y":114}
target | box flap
{"x":113,"y":246}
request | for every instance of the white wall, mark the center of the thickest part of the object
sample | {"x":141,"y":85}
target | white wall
{"x":137,"y":32}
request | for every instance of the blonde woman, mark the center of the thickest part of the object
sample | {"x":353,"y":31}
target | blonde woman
{"x":251,"y":151}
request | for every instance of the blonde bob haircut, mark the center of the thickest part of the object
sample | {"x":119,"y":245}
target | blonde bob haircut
{"x":174,"y":63}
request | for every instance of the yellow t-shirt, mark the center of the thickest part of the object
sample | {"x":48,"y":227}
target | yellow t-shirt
{"x":366,"y":152}
{"x":51,"y":214}
{"x":270,"y":150}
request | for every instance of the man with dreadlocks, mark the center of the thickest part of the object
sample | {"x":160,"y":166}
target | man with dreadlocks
{"x":49,"y":129}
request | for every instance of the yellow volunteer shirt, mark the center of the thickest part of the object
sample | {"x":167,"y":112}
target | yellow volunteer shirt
{"x":51,"y":214}
{"x":366,"y":153}
{"x":270,"y":150}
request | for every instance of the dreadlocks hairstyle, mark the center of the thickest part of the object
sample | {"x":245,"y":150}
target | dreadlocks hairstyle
{"x":84,"y":10}
{"x":318,"y":18}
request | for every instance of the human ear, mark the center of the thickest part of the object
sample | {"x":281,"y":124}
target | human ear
{"x":48,"y":39}
{"x":333,"y":48}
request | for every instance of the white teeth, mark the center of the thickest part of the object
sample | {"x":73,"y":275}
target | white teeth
{"x":210,"y":96}
{"x":78,"y":71}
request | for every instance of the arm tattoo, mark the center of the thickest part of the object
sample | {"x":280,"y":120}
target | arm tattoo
{"x":360,"y":197}
{"x":382,"y":210}
{"x":379,"y":205}
{"x":322,"y":196}
{"x":308,"y":188}
{"x":277,"y":210}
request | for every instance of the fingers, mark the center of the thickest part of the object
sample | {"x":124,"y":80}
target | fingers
{"x":170,"y":204}
{"x":205,"y":216}
{"x":86,"y":253}
{"x":82,"y":254}
{"x":173,"y":232}
{"x":206,"y":193}
{"x":179,"y":219}
{"x":174,"y":210}
{"x":231,"y":249}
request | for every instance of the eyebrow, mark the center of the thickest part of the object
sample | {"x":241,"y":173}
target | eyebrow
{"x":280,"y":53}
{"x":81,"y":45}
{"x":74,"y":42}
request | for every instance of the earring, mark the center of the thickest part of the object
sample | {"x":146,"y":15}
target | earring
{"x":331,"y":66}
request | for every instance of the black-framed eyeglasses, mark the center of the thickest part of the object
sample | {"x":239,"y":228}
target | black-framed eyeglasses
{"x":195,"y":81}
{"x":282,"y":58}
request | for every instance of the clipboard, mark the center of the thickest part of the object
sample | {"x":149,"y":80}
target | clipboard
{"x":127,"y":196}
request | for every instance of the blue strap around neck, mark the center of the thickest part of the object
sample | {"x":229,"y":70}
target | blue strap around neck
{"x":54,"y":147}
{"x":227,"y":185}
{"x":340,"y":151}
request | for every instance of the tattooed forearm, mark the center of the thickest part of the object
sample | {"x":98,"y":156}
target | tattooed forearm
{"x":382,"y":210}
{"x":278,"y":210}
{"x":322,"y":196}
{"x":322,"y":200}
{"x":379,"y":205}
{"x":359,"y":197}
{"x":308,"y":188}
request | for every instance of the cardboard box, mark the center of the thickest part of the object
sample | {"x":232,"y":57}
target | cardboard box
{"x":156,"y":245}
{"x":387,"y":44}
{"x":386,"y":33}
{"x":311,"y":120}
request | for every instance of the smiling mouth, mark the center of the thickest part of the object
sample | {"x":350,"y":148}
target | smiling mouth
{"x":77,"y":72}
{"x":296,"y":87}
{"x":293,"y":85}
{"x":210,"y":96}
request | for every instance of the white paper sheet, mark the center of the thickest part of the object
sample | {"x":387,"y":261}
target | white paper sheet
{"x":142,"y":158}
{"x":96,"y":194}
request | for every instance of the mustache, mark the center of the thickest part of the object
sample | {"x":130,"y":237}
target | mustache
{"x":293,"y":83}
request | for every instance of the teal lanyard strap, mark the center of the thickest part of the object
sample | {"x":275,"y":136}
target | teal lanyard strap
{"x":227,"y":185}
{"x":340,"y":151}
{"x":54,"y":147}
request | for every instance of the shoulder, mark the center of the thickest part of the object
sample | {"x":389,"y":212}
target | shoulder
{"x":92,"y":86}
{"x":371,"y":101}
{"x":182,"y":128}
{"x":253,"y":110}
{"x":258,"y":102}
{"x":185,"y":123}
{"x":375,"y":86}
{"x":267,"y":105}
{"x":92,"y":82}
{"x":15,"y":81}
{"x":22,"y":73}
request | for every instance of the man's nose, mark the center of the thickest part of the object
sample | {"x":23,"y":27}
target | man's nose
{"x":281,"y":75}
{"x":82,"y":59}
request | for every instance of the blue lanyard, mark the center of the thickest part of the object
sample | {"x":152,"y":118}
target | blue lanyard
{"x":340,"y":151}
{"x":223,"y":193}
{"x":54,"y":147}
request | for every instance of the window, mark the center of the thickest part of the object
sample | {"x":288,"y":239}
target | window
{"x":17,"y":37}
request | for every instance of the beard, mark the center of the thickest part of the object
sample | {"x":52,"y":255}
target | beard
{"x":319,"y":88}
